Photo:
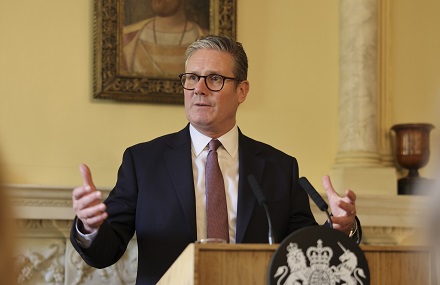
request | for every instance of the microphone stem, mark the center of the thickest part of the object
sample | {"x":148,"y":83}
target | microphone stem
{"x":329,"y":219}
{"x":271,"y":236}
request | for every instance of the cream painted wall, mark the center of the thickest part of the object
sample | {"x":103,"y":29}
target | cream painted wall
{"x":49,"y":123}
{"x":415,"y":75}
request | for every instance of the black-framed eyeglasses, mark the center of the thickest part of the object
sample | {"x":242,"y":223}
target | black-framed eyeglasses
{"x":213,"y":82}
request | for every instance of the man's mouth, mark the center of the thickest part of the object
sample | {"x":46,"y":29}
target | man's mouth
{"x":201,"y":104}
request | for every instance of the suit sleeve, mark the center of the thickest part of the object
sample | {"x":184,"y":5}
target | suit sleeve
{"x":115,"y":233}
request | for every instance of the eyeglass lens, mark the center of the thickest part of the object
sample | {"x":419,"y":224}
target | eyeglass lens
{"x":214,"y":82}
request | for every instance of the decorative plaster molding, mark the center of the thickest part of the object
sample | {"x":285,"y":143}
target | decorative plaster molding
{"x":43,"y":202}
{"x":42,"y":228}
{"x":391,"y":236}
{"x":122,"y":273}
{"x":43,"y":195}
{"x":46,"y":256}
{"x":41,"y":261}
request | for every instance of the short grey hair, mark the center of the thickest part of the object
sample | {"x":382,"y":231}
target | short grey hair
{"x":226,"y":44}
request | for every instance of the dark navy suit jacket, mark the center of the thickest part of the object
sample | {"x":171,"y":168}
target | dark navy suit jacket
{"x":154,"y":196}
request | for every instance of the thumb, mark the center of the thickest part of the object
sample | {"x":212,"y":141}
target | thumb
{"x":86,"y":176}
{"x":327,"y":183}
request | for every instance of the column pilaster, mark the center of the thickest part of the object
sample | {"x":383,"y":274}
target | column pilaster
{"x":358,"y":164}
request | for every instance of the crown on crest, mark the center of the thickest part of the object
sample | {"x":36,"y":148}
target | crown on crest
{"x":293,"y":250}
{"x":319,"y":255}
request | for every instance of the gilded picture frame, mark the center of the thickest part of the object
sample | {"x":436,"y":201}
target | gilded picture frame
{"x":112,"y":81}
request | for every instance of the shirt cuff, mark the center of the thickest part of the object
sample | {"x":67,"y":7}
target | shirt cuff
{"x":356,"y":232}
{"x":84,"y":240}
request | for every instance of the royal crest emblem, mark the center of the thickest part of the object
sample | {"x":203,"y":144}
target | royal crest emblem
{"x":314,"y":267}
{"x":318,"y":255}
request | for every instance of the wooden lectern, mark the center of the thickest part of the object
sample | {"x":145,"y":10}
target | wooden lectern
{"x":213,"y":263}
{"x":216,"y":263}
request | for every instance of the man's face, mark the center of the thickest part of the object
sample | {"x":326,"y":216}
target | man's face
{"x":165,"y":8}
{"x":213,"y":112}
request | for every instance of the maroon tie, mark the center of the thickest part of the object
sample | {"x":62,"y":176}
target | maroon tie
{"x":216,"y":210}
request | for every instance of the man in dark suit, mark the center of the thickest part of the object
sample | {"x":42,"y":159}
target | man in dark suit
{"x":160,"y":191}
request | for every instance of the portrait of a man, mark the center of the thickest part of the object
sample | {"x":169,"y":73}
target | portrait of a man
{"x":156,"y":34}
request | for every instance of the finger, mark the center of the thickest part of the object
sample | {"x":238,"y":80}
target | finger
{"x":92,"y":224}
{"x":87,"y":201}
{"x":327,"y":183}
{"x":351,"y":195}
{"x":96,"y":221}
{"x":344,"y":223}
{"x":87,"y":177}
{"x":78,"y":193}
{"x":349,"y":208}
{"x":92,"y":211}
{"x":81,"y":191}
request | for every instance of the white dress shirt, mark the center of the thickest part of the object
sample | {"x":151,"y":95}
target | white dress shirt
{"x":228,"y":161}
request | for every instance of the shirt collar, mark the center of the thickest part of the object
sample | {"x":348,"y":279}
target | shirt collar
{"x":228,"y":140}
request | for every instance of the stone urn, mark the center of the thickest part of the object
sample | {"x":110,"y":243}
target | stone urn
{"x":412,"y":152}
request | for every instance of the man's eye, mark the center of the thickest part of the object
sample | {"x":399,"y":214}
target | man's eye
{"x":215,"y":78}
{"x":192,"y":77}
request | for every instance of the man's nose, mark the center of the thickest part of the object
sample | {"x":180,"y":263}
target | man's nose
{"x":201,"y":88}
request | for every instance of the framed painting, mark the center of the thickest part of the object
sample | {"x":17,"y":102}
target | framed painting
{"x":139,"y":45}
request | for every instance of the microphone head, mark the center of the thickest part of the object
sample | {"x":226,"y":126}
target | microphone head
{"x":257,"y":190}
{"x":305,"y":184}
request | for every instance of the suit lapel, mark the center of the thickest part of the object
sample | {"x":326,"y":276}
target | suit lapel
{"x":249,"y":163}
{"x":179,"y":163}
{"x":178,"y":160}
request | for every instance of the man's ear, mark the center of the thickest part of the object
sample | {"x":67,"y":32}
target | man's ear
{"x":243,"y":90}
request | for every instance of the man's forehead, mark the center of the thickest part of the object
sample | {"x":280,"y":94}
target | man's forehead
{"x":209,"y":60}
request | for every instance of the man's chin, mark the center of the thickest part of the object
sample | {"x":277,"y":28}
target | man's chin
{"x":201,"y":123}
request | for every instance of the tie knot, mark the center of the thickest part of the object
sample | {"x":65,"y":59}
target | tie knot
{"x":214,"y":145}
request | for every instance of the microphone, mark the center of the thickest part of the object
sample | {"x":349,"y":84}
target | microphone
{"x":263,"y":202}
{"x":319,"y":201}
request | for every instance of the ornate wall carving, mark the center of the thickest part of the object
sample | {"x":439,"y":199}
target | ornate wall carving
{"x":46,"y":256}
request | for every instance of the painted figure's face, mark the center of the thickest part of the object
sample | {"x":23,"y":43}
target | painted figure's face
{"x":165,"y":8}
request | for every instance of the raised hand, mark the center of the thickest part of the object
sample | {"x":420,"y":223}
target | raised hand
{"x":343,"y":208}
{"x":86,"y":201}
